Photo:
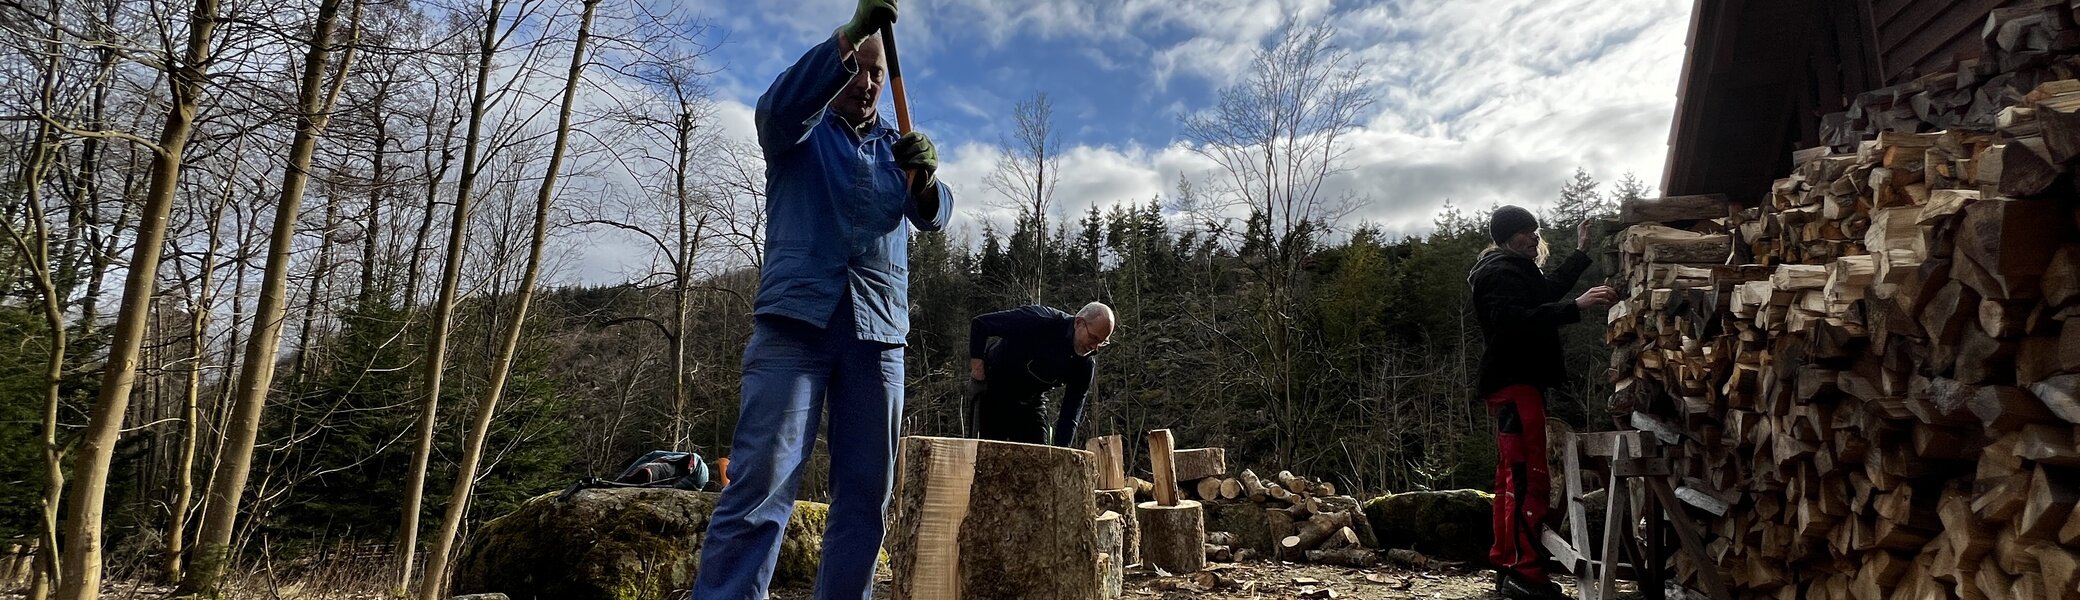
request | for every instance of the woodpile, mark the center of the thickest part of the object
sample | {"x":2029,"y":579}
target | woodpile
{"x":1870,"y":379}
{"x":1284,"y":517}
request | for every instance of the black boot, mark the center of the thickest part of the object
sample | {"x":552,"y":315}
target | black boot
{"x":1515,"y":587}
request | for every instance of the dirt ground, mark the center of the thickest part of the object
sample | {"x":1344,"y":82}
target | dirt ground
{"x":1287,"y":581}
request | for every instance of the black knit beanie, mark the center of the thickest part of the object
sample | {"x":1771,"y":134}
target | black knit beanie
{"x":1509,"y":221}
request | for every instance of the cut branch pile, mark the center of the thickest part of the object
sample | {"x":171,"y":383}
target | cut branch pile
{"x":1873,"y":375}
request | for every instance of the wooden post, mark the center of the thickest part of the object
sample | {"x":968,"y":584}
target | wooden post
{"x":1614,"y":529}
{"x":1160,"y":451}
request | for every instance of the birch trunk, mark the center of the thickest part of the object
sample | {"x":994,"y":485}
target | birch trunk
{"x":435,"y":584}
{"x":212,"y":551}
{"x":444,"y":302}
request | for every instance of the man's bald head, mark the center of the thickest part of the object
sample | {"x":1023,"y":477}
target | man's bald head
{"x":1094,"y":325}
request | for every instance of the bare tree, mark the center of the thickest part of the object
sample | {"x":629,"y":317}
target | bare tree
{"x":674,"y":107}
{"x":1027,"y":173}
{"x":489,"y":42}
{"x":34,"y":246}
{"x":201,"y":309}
{"x":212,"y":551}
{"x":434,"y":586}
{"x":1278,"y":136}
{"x":188,"y":74}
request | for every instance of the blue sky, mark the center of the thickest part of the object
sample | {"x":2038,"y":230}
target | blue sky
{"x":1480,"y":102}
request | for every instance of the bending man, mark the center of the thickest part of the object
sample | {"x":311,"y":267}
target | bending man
{"x":1521,"y":311}
{"x":832,"y":311}
{"x":1037,"y":348}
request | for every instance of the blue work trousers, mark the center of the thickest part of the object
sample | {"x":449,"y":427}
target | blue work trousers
{"x":793,"y":371}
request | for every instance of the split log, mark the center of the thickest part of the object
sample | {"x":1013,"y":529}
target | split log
{"x":1219,"y":553}
{"x":2013,"y":240}
{"x":2061,"y":396}
{"x":2024,"y":167}
{"x":1162,"y":461}
{"x":2051,"y":497}
{"x":986,"y":519}
{"x":1112,"y":469}
{"x":2049,"y":444}
{"x":1173,"y":538}
{"x":2008,"y":408}
{"x":1200,"y":463}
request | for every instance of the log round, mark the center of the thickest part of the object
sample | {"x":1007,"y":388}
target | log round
{"x":1173,"y":538}
{"x":1111,"y":554}
{"x":1122,"y":501}
{"x":1000,"y":520}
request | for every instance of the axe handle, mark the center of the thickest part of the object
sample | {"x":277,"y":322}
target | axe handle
{"x":895,"y":88}
{"x":895,"y":78}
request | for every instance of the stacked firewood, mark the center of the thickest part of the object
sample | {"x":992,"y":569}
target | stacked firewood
{"x":1282,"y":516}
{"x":1871,"y":378}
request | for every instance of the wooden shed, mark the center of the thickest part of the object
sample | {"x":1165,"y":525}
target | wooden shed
{"x":1761,"y":74}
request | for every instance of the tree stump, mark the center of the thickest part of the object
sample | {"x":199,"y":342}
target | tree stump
{"x":998,"y":520}
{"x":1173,"y":538}
{"x":1122,"y":501}
{"x":1111,"y":554}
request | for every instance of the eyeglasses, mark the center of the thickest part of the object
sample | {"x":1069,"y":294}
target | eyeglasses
{"x":1084,"y":329}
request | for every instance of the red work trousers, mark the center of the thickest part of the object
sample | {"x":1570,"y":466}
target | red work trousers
{"x":1522,"y":481}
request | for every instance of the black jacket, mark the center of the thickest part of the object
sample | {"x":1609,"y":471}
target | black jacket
{"x":1035,"y":351}
{"x":1520,"y":312}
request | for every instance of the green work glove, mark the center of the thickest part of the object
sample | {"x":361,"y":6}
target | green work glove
{"x":871,"y":16}
{"x":915,"y":153}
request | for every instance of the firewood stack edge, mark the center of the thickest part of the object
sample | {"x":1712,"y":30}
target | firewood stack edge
{"x":1870,"y":378}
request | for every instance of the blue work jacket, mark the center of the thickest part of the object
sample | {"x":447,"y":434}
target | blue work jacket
{"x":835,"y":205}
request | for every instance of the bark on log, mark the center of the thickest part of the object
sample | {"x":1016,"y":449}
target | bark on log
{"x":1112,"y":562}
{"x":1673,"y":208}
{"x":1312,"y":533}
{"x":1122,"y":501}
{"x":986,"y":519}
{"x":1251,"y":485}
{"x":1173,"y":538}
{"x":1349,"y":556}
{"x":1200,"y":463}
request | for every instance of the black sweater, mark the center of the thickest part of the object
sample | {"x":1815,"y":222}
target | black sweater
{"x":1036,"y":351}
{"x":1520,"y":311}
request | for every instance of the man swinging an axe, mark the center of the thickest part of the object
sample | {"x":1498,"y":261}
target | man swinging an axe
{"x":832,"y":310}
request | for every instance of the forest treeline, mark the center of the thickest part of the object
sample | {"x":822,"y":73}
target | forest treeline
{"x":275,"y":279}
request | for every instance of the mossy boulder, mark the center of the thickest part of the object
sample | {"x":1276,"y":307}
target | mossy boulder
{"x":613,"y":544}
{"x":1451,"y":524}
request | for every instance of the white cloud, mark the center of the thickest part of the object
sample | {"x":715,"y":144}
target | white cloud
{"x":1480,"y":103}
